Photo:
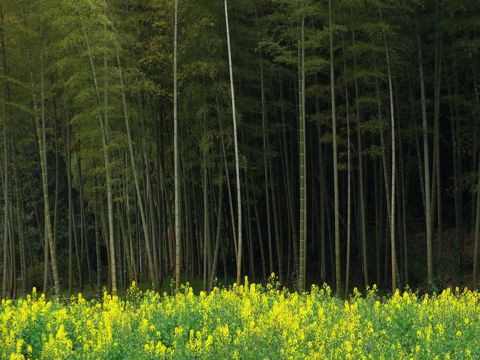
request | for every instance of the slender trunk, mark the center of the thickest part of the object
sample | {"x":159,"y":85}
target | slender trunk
{"x":97,"y":249}
{"x":302,"y":154}
{"x":361,"y":186}
{"x":438,"y":177}
{"x":278,"y":235}
{"x":292,"y":233}
{"x":6,"y":205}
{"x":21,"y":229}
{"x":227,"y":177}
{"x":386,"y":177}
{"x":42,"y":145}
{"x":476,"y":164}
{"x":218,"y":237}
{"x":260,"y":243}
{"x":419,"y":156}
{"x":404,"y":215}
{"x":178,"y":232}
{"x":206,"y":221}
{"x":426,"y":163}
{"x":323,"y":210}
{"x":129,"y":231}
{"x":477,"y":236}
{"x":248,"y":222}
{"x":477,"y":217}
{"x":237,"y":160}
{"x":70,"y":210}
{"x":457,"y":165}
{"x":265,"y":164}
{"x":57,"y":173}
{"x":378,"y":219}
{"x":83,"y":232}
{"x":338,"y":277}
{"x":393,"y":177}
{"x":77,"y":254}
{"x":349,"y":180}
{"x":5,"y":163}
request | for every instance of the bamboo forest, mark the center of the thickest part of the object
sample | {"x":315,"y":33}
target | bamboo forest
{"x":242,"y":179}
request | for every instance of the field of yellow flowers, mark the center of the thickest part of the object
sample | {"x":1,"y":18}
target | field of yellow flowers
{"x":245,"y":322}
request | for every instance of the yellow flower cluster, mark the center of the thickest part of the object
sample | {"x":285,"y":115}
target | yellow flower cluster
{"x":244,"y":322}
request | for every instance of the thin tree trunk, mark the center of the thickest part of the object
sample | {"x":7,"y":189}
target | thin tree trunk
{"x":338,"y":276}
{"x":42,"y":145}
{"x":265,"y":163}
{"x":70,"y":210}
{"x":77,"y":251}
{"x":206,"y":221}
{"x":6,"y":196}
{"x":349,"y":181}
{"x":361,"y":178}
{"x":477,"y":236}
{"x":426,"y":163}
{"x":438,"y":174}
{"x":237,"y":160}
{"x":97,"y":249}
{"x":403,"y":189}
{"x":176,"y":156}
{"x":393,"y":188}
{"x":57,"y":173}
{"x":260,"y":241}
{"x":278,"y":235}
{"x":477,"y":217}
{"x":20,"y":229}
{"x":302,"y":153}
{"x":218,"y":237}
{"x":292,"y":238}
{"x":227,"y":177}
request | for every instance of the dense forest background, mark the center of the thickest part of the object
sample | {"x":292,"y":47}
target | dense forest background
{"x":351,"y":155}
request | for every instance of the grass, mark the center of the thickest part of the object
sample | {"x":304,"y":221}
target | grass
{"x":246,"y":322}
